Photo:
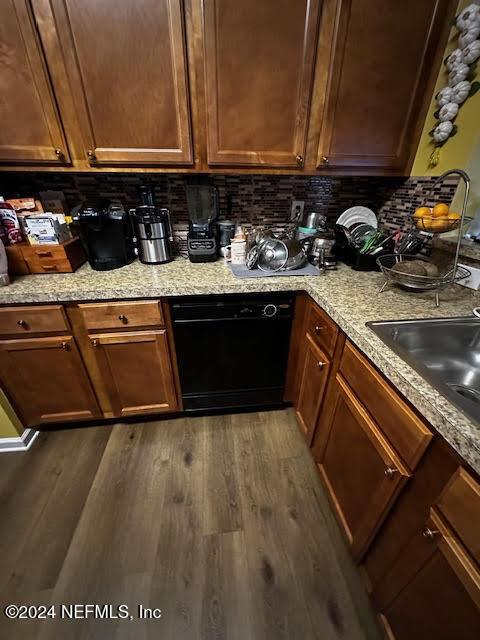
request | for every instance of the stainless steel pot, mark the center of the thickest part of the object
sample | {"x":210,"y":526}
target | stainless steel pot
{"x":297,"y":256}
{"x":272,"y":255}
{"x":315,"y":220}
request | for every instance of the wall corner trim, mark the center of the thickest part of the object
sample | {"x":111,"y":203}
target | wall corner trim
{"x":22,"y":443}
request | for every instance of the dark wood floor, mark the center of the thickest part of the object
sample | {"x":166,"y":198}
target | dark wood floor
{"x":220,"y":522}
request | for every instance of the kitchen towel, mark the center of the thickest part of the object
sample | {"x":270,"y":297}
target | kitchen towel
{"x":241,"y":271}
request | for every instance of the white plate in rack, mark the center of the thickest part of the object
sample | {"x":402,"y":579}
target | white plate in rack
{"x":356,"y":215}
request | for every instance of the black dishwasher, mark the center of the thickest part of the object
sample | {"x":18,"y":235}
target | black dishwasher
{"x":232,"y":350}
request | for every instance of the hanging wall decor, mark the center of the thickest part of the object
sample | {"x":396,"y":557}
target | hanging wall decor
{"x":461,"y":68}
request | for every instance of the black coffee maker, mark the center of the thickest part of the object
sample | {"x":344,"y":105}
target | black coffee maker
{"x":202,"y":203}
{"x":106,"y":233}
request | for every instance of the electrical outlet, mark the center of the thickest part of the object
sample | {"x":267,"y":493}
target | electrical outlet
{"x":296,"y":212}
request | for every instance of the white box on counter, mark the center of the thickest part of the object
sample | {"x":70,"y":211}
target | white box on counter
{"x":46,"y":228}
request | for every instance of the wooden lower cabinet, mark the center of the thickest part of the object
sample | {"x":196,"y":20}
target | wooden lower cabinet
{"x":410,"y":511}
{"x":136,"y":370}
{"x":315,"y":373}
{"x":362,"y":472}
{"x":46,"y":380}
{"x":434,"y":590}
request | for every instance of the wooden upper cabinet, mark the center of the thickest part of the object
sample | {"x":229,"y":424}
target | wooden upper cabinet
{"x":30,"y":127}
{"x":259,"y":63}
{"x":384,"y":60}
{"x":126,"y":64}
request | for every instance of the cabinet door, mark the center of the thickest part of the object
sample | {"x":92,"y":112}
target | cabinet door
{"x":362,"y":472}
{"x":136,"y":371}
{"x":126,"y":63}
{"x":30,"y":129}
{"x":383,"y":59}
{"x":439,"y":596}
{"x":315,"y":372}
{"x":46,"y":380}
{"x":259,"y":60}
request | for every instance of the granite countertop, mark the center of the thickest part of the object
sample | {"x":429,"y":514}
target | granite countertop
{"x":350,"y":297}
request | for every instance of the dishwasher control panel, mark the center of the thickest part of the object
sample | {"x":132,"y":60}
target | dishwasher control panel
{"x":233,"y":307}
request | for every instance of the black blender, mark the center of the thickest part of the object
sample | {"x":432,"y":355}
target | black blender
{"x":202,"y":203}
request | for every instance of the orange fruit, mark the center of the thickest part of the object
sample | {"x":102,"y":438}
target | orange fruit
{"x":421,"y":212}
{"x":440,"y":210}
{"x":453,"y":216}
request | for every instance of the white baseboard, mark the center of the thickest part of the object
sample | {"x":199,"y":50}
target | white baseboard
{"x":22,"y":443}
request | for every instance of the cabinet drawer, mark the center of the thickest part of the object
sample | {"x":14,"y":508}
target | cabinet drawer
{"x":119,"y":315}
{"x":48,"y":265}
{"x":44,"y":252}
{"x":322,"y":329}
{"x":408,"y":434}
{"x":54,"y":258}
{"x":27,"y":320}
{"x":459,"y":504}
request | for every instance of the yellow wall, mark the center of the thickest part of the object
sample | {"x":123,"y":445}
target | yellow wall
{"x":10,"y":425}
{"x":458,"y":151}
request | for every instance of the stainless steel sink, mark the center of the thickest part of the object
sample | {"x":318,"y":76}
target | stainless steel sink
{"x":446,"y":352}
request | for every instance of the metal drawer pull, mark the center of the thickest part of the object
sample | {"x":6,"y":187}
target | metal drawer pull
{"x":390,"y":472}
{"x":95,"y":343}
{"x":22,"y":323}
{"x":325,"y":160}
{"x":64,"y":345}
{"x":123,"y":318}
{"x":430,"y":534}
{"x":299,"y":160}
{"x":318,"y":328}
{"x":44,"y":254}
{"x":320,"y":365}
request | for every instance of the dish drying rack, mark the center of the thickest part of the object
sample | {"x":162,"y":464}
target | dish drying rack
{"x":415,"y":282}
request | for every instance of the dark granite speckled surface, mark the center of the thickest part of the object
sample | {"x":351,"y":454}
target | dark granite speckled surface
{"x":351,"y":298}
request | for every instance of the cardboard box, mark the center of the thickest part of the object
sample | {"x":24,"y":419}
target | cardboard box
{"x":53,"y":201}
{"x":46,"y":228}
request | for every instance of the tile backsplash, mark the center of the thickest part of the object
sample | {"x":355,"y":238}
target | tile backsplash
{"x":250,"y":199}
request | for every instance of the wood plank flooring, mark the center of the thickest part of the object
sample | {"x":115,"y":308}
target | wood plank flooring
{"x":220,"y":522}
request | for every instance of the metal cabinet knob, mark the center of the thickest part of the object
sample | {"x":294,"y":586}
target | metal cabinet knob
{"x":390,"y":472}
{"x":318,"y":328}
{"x":430,"y":534}
{"x":299,"y":160}
{"x":94,"y":342}
{"x":64,"y":345}
{"x":320,"y":365}
{"x":22,"y":323}
{"x":91,"y":156}
{"x":325,"y":160}
{"x":60,"y":155}
{"x":123,"y":318}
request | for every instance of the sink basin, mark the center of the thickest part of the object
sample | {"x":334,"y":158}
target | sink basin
{"x":446,"y":352}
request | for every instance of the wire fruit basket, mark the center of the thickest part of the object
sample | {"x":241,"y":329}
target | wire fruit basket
{"x":441,"y":224}
{"x":436,"y":221}
{"x":429,"y":281}
{"x":417,"y":282}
